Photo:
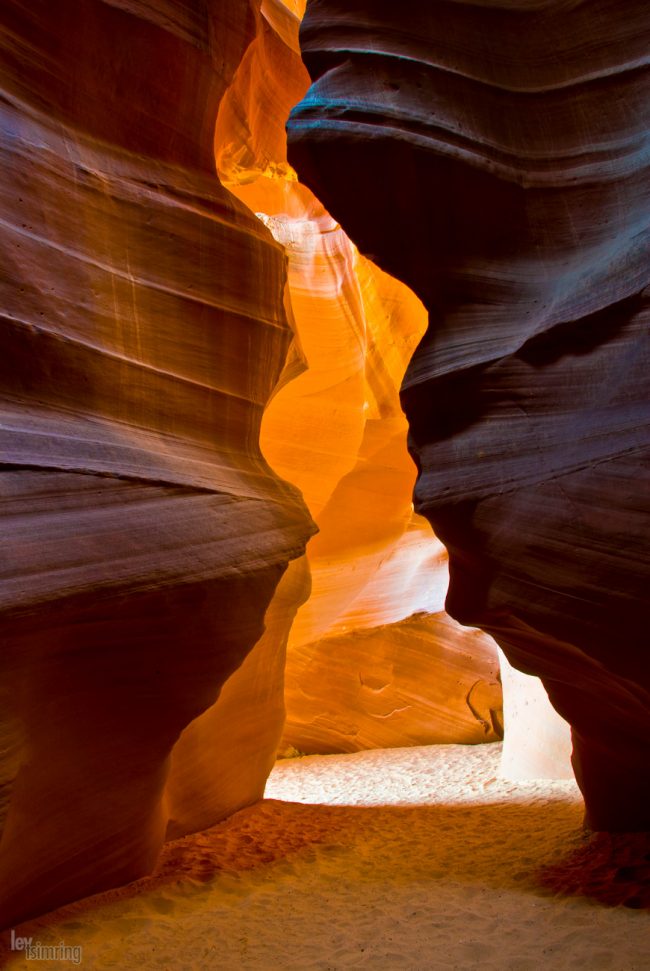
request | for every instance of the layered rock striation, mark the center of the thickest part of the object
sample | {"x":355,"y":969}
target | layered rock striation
{"x":144,"y":534}
{"x":494,"y":157}
{"x":424,"y":680}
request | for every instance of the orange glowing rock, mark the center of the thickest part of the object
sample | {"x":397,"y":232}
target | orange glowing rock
{"x":222,"y":760}
{"x":337,"y":431}
{"x":422,"y":680}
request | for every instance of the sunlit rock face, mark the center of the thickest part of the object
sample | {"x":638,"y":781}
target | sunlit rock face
{"x":338,"y":432}
{"x":494,"y":158}
{"x":537,"y":741}
{"x":222,"y":759}
{"x":423,"y":680}
{"x":144,"y":534}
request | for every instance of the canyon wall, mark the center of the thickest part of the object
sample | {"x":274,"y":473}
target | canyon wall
{"x":144,"y":534}
{"x":166,"y":358}
{"x":494,"y":157}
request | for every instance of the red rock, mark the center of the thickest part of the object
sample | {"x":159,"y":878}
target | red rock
{"x":481,"y":154}
{"x":143,"y":532}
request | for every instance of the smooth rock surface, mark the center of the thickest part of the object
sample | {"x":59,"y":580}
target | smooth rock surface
{"x":144,"y":534}
{"x":495,"y":158}
{"x":423,"y":680}
{"x":338,"y":432}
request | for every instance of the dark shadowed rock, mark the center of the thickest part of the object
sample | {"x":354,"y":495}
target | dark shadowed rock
{"x":494,"y":156}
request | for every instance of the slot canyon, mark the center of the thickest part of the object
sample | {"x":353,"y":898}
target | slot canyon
{"x":324,"y":467}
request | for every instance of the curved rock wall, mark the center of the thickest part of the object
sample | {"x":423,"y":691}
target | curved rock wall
{"x":144,"y":534}
{"x":495,"y":158}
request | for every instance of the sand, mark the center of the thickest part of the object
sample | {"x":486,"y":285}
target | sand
{"x":418,"y":858}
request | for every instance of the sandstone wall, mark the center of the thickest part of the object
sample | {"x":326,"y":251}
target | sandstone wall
{"x":494,"y":157}
{"x":378,"y":575}
{"x":144,"y":534}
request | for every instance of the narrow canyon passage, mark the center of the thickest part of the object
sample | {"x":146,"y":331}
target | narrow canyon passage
{"x":373,"y":660}
{"x":215,"y":544}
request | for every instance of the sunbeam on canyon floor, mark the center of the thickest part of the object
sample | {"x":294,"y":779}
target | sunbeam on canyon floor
{"x":413,"y":858}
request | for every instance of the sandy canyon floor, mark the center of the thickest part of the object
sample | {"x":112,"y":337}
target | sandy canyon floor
{"x":418,"y":858}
